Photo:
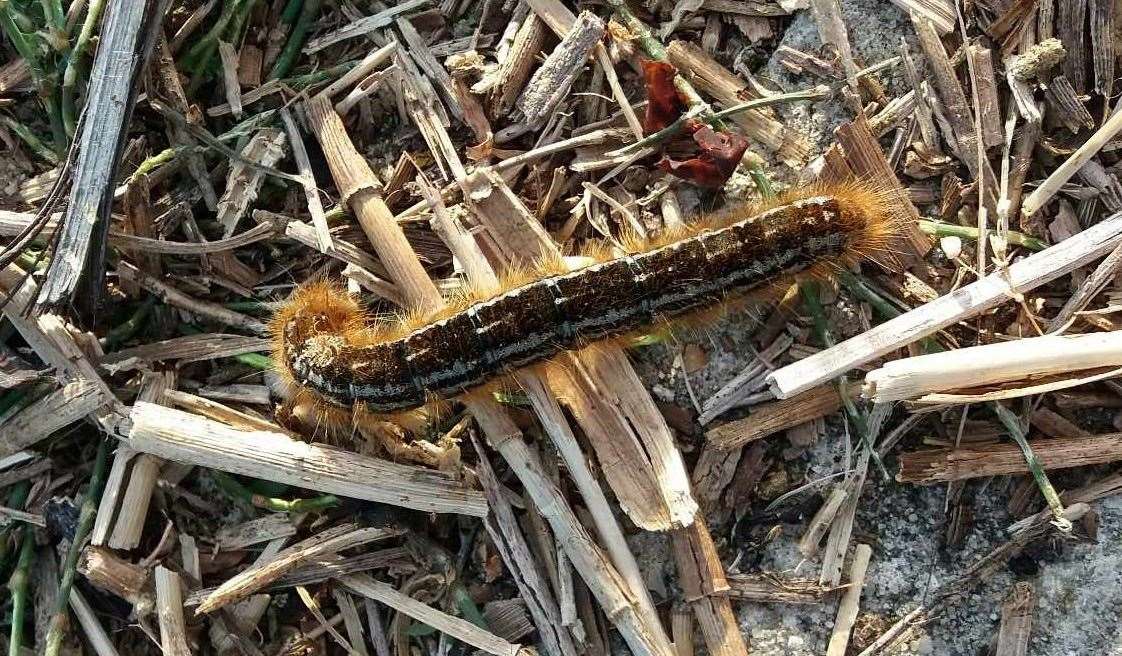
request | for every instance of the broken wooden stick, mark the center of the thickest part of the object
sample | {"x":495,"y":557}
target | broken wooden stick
{"x":456,"y":627}
{"x":183,"y":437}
{"x":1016,"y":620}
{"x":992,"y":364}
{"x":850,"y":602}
{"x":325,"y":543}
{"x":940,"y":465}
{"x":770,"y":418}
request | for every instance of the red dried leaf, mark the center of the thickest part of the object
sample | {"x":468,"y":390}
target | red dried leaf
{"x":664,"y":106}
{"x":720,"y":154}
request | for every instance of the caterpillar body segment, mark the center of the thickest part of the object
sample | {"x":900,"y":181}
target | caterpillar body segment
{"x":326,"y":345}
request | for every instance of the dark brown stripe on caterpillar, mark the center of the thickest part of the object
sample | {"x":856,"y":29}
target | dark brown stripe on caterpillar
{"x":324,"y":346}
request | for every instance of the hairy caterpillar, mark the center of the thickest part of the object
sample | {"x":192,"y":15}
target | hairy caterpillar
{"x":328,"y":346}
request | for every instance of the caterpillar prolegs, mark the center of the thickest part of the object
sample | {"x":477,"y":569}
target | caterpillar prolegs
{"x":326,"y":343}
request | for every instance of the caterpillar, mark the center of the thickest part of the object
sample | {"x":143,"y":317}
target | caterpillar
{"x":327,"y":345}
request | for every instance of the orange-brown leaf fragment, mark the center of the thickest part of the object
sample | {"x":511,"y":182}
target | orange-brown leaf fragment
{"x":664,"y":106}
{"x":719,"y":156}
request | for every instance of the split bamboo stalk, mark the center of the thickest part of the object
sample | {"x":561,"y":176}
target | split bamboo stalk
{"x":54,"y":411}
{"x":946,"y":82}
{"x":109,"y":572}
{"x":114,"y":488}
{"x":749,"y":380}
{"x":1016,"y":621}
{"x":822,"y":520}
{"x":51,"y":341}
{"x":940,"y":12}
{"x":963,"y":303}
{"x":361,"y":70}
{"x":134,"y":504}
{"x":351,"y":621}
{"x":505,"y":532}
{"x":95,"y":633}
{"x":1058,"y":178}
{"x":513,"y":71}
{"x":851,"y":600}
{"x":173,"y":296}
{"x":770,"y":418}
{"x":681,"y":622}
{"x":308,"y":182}
{"x":992,"y":364}
{"x":769,"y":588}
{"x":169,"y":607}
{"x":456,"y":627}
{"x":1095,"y":283}
{"x":939,"y":465}
{"x":133,"y":511}
{"x":637,"y":625}
{"x":183,"y":437}
{"x":361,"y":191}
{"x":326,"y":543}
{"x":603,"y":580}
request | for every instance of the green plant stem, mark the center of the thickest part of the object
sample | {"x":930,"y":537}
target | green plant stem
{"x":74,"y":14}
{"x":881,"y":306}
{"x":300,"y":82}
{"x":231,"y":486}
{"x":53,"y":105}
{"x":1013,"y":424}
{"x":30,"y":138}
{"x":86,"y":516}
{"x":287,"y":57}
{"x":132,"y":325}
{"x":198,"y":58}
{"x":52,"y":9}
{"x":16,"y":499}
{"x":860,"y":421}
{"x":9,"y":400}
{"x":20,"y":40}
{"x":153,"y":162}
{"x":31,"y":46}
{"x":291,"y":11}
{"x":940,"y":229}
{"x":234,"y":32}
{"x":74,"y":63}
{"x":17,"y":587}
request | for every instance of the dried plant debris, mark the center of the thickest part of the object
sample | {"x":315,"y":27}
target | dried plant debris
{"x":909,"y":446}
